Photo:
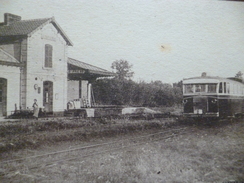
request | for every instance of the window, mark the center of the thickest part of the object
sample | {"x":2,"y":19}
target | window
{"x":1,"y":90}
{"x":236,"y":89}
{"x":232,"y":88}
{"x":220,"y":87}
{"x":48,"y":55}
{"x":189,"y":88}
{"x":200,"y":88}
{"x":239,"y":89}
{"x":228,"y":87}
{"x":212,"y":88}
{"x":46,"y":95}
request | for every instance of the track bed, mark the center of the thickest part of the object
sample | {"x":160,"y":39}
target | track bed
{"x":190,"y":152}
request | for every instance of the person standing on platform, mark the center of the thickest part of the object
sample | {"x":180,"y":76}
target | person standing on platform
{"x":36,"y":109}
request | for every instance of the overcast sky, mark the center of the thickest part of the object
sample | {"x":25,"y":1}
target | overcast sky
{"x":163,"y":40}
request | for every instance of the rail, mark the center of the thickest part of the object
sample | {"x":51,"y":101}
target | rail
{"x":77,"y":152}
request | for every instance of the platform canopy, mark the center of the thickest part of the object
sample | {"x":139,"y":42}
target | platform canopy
{"x":8,"y":60}
{"x":78,"y":70}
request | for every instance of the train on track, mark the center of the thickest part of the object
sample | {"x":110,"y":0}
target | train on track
{"x":213,"y":97}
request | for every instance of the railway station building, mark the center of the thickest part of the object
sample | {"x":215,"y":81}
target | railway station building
{"x":34,"y":64}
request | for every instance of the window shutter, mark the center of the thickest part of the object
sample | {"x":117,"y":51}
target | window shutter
{"x":48,"y":55}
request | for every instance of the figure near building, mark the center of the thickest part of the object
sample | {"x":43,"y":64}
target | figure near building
{"x":36,"y":109}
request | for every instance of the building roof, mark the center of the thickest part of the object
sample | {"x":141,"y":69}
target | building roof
{"x":88,"y":69}
{"x":24,"y":28}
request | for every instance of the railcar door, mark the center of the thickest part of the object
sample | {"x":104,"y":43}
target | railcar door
{"x":48,"y":96}
{"x":188,"y":105}
{"x":225,"y":107}
{"x":3,"y":96}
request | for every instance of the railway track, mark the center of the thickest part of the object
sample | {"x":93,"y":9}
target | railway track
{"x":35,"y":162}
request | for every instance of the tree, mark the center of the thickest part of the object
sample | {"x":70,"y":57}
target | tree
{"x":239,"y":75}
{"x":123,"y":69}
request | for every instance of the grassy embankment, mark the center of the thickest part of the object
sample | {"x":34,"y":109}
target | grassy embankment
{"x":210,"y":152}
{"x":204,"y":154}
{"x":30,"y":133}
{"x":34,"y":133}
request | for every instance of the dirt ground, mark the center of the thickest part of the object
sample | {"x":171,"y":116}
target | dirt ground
{"x":204,"y":152}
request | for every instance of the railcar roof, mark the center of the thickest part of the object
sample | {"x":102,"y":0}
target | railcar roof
{"x":210,"y":79}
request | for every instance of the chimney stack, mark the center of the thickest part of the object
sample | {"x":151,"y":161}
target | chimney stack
{"x":204,"y":74}
{"x":9,"y":18}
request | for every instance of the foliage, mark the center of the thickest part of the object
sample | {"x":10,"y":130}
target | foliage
{"x":121,"y":90}
{"x":123,"y":69}
{"x":128,"y":92}
{"x":239,"y":75}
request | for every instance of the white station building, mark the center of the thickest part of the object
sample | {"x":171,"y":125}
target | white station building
{"x":34,"y":64}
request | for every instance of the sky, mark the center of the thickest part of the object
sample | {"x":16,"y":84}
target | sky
{"x":165,"y":40}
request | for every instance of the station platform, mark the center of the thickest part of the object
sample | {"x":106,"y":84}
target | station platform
{"x":3,"y":119}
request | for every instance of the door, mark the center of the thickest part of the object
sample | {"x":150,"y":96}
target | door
{"x":48,"y":96}
{"x":3,"y":97}
{"x":188,"y":105}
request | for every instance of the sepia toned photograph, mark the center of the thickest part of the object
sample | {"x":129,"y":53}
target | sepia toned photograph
{"x":112,"y":91}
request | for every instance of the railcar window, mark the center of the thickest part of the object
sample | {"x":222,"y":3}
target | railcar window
{"x":232,"y":88}
{"x":228,"y":87}
{"x":224,"y":87}
{"x":220,"y":87}
{"x":200,"y":88}
{"x":212,"y":88}
{"x":236,"y":89}
{"x":189,"y":88}
{"x":1,"y":90}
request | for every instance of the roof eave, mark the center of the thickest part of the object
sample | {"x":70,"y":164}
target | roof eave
{"x":60,"y":30}
{"x":10,"y":39}
{"x":11,"y":63}
{"x":55,"y":24}
{"x":77,"y":65}
{"x":102,"y":73}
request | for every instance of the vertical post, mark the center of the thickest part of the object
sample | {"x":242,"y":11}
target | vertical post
{"x":80,"y":89}
{"x":80,"y":97}
{"x":89,"y":94}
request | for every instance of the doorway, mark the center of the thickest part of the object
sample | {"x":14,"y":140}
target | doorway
{"x":48,"y":96}
{"x":3,"y":97}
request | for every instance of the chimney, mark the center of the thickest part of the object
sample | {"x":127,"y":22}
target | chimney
{"x":9,"y":18}
{"x":204,"y":74}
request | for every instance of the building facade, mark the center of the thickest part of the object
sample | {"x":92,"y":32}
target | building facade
{"x":9,"y":82}
{"x":34,"y":65}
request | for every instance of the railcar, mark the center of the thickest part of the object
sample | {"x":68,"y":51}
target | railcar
{"x":213,"y":97}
